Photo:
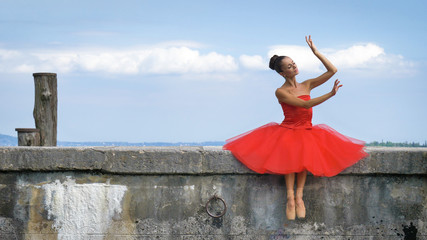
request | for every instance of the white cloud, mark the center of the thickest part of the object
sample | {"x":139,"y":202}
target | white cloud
{"x":302,"y":56}
{"x":367,"y":58}
{"x":164,"y":59}
{"x":253,"y":62}
{"x":356,"y":56}
{"x":24,"y":68}
{"x":184,"y":57}
{"x":181,"y":43}
{"x":8,"y":54}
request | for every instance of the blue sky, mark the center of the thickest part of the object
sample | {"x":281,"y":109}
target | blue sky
{"x":141,"y":71}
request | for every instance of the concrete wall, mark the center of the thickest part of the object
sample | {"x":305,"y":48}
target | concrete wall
{"x":161,"y":193}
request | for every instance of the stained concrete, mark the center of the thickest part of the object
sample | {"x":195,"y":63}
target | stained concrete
{"x":183,"y":160}
{"x":382,"y":197}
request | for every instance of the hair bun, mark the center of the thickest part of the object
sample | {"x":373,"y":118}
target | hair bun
{"x":273,"y":61}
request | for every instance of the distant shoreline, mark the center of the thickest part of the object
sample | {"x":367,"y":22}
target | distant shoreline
{"x":8,"y":141}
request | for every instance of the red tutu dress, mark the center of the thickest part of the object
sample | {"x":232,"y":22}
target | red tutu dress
{"x":296,"y":145}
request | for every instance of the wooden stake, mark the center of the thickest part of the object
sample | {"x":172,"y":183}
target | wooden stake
{"x":45,"y":107}
{"x":28,"y":136}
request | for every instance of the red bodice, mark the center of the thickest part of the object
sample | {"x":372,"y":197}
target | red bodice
{"x":297,"y":117}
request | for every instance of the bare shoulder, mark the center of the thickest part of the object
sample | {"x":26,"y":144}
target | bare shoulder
{"x":281,"y":92}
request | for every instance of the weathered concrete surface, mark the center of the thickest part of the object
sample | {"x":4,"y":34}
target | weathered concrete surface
{"x":184,"y":160}
{"x":160,"y":193}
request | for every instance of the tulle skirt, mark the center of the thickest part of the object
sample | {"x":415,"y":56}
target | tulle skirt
{"x":276,"y":149}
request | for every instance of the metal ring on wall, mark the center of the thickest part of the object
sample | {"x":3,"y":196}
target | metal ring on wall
{"x":223,"y":203}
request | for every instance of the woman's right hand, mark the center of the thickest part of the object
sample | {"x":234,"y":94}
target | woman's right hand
{"x":311,"y":44}
{"x":336,"y":87}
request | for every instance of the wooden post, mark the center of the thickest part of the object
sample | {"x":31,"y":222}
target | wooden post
{"x":28,"y":136}
{"x":45,"y":107}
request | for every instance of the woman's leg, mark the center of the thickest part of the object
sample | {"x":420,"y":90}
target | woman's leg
{"x":290,"y":204}
{"x":300,"y":208}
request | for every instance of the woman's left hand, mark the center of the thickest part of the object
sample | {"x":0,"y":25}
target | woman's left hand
{"x":336,"y":87}
{"x":311,"y":44}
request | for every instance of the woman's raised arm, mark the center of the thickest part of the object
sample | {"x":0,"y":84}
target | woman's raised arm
{"x":331,"y":69}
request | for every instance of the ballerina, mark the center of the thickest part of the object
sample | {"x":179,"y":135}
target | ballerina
{"x":296,"y":146}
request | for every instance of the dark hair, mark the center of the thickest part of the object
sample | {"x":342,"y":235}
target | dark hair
{"x":275,"y":63}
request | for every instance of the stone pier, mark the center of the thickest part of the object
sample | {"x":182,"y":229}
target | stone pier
{"x":161,"y":193}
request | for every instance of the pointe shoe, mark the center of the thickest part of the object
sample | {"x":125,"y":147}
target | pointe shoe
{"x":290,"y":212}
{"x":300,"y":207}
{"x":290,"y":208}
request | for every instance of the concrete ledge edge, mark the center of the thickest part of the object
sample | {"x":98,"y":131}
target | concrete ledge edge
{"x":197,"y":160}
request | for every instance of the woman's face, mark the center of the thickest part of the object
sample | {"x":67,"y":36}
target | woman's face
{"x":289,"y":68}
